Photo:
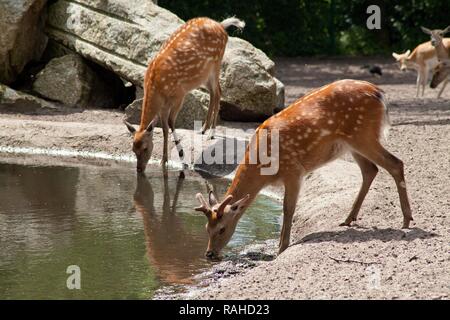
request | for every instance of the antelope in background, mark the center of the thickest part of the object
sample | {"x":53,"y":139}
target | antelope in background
{"x":190,"y":58}
{"x":442,"y":70}
{"x":344,"y":116}
{"x":165,"y":233}
{"x":423,"y":59}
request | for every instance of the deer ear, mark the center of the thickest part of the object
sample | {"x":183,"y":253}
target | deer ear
{"x":130,"y":127}
{"x":222,"y":206}
{"x":426,"y":30}
{"x":446,"y":30}
{"x":408,"y":52}
{"x":395,"y":55}
{"x":241,"y":203}
{"x":152,"y":124}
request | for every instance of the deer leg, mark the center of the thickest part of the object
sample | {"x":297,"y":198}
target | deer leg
{"x":210,"y":86}
{"x":443,"y":87}
{"x":369,"y":171}
{"x":380,"y":156}
{"x":424,"y":80}
{"x":165,"y":128}
{"x":419,"y":81}
{"x":171,"y":122}
{"x":214,"y":101}
{"x":217,"y":95}
{"x":291,"y":190}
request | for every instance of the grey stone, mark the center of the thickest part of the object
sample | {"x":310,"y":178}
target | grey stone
{"x":22,"y":37}
{"x":123,"y":36}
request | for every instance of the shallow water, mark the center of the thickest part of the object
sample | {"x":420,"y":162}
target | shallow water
{"x":129,"y":236}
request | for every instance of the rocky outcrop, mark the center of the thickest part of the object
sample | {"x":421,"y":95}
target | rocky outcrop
{"x":67,"y":80}
{"x":22,"y":36}
{"x":195,"y":108}
{"x":124,"y":35}
{"x":71,"y":81}
{"x":16,"y":101}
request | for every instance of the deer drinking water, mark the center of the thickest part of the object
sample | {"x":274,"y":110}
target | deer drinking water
{"x":344,"y":116}
{"x":190,"y":58}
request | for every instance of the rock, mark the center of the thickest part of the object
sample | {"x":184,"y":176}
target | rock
{"x":12,"y":100}
{"x":71,"y":81}
{"x":67,"y":80}
{"x":22,"y":37}
{"x":195,"y":109}
{"x":123,"y":36}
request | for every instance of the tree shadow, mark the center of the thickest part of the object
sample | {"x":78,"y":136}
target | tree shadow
{"x":352,"y":235}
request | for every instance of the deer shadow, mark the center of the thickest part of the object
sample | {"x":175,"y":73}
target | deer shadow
{"x":352,"y":235}
{"x":173,"y":251}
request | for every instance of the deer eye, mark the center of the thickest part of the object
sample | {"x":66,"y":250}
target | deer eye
{"x":222,"y":230}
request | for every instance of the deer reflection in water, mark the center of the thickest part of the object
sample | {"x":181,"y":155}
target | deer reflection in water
{"x":174,"y":245}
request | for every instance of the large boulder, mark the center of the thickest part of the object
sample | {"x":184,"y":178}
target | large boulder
{"x":124,"y":35}
{"x":17,"y":101}
{"x":194,"y":109}
{"x":22,"y":36}
{"x":70,"y":80}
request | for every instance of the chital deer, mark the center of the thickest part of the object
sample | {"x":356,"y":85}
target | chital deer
{"x":346,"y":115}
{"x":441,"y":70}
{"x":423,"y":59}
{"x":190,"y":58}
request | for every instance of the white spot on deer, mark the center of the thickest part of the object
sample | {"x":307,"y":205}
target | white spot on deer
{"x":403,"y":184}
{"x":346,"y":116}
{"x":358,"y":121}
{"x":330,"y":121}
{"x":361,"y":116}
{"x":324,"y":132}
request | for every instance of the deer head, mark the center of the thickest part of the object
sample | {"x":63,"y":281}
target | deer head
{"x":436,"y":35}
{"x":440,"y":73}
{"x":222,"y":220}
{"x":142,"y":143}
{"x":402,"y":59}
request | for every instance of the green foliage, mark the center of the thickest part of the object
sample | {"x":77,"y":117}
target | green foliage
{"x":323,"y":27}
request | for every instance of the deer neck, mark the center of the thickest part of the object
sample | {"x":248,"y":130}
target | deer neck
{"x":248,"y":180}
{"x":151,"y":101}
{"x":441,"y":51}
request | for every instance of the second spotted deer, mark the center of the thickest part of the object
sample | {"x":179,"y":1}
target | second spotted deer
{"x":345,"y":116}
{"x":190,"y":58}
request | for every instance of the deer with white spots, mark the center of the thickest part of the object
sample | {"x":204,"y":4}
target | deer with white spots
{"x":190,"y":58}
{"x":344,"y":116}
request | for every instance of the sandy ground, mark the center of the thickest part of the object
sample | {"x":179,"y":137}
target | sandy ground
{"x":373,"y":259}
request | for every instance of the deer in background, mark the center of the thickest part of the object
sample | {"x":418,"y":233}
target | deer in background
{"x":190,"y":58}
{"x":441,"y":71}
{"x":423,"y":59}
{"x":344,"y":116}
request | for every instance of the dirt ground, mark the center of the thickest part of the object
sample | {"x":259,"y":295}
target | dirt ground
{"x":375,"y":258}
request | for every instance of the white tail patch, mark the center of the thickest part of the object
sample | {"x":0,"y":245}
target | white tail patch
{"x":386,"y":124}
{"x":233,"y":21}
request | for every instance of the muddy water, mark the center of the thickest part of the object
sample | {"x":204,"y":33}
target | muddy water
{"x":128,"y":236}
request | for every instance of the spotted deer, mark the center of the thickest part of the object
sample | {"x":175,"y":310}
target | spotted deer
{"x":190,"y":58}
{"x":441,"y":71}
{"x":344,"y":116}
{"x":423,"y":59}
